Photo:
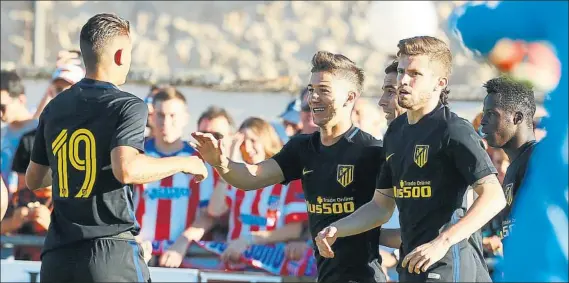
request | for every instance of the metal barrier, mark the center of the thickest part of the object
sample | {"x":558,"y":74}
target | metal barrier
{"x":37,"y":241}
{"x":27,"y":271}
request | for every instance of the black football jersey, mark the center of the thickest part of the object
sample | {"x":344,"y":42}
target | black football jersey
{"x":75,"y":136}
{"x":337,"y":180}
{"x":512,"y":182}
{"x":429,"y":165}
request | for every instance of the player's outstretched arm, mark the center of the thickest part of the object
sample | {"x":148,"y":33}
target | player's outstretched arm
{"x":369,"y":216}
{"x":240,"y":175}
{"x":490,"y":202}
{"x":390,"y":238}
{"x":130,"y":166}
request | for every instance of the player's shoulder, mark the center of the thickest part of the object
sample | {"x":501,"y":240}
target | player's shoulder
{"x":365,"y":139}
{"x":455,"y":125}
{"x":397,"y":124}
{"x":123,"y":98}
{"x":303,"y":140}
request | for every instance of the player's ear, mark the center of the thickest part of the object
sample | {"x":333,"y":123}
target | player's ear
{"x":518,"y":117}
{"x":352,"y":96}
{"x":442,"y":83}
{"x":118,"y":57}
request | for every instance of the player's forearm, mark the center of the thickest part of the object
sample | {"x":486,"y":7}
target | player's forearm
{"x":145,"y":169}
{"x":490,"y":202}
{"x":241,"y":175}
{"x":365,"y":218}
{"x":390,"y":238}
{"x":287,"y":232}
{"x":200,"y":226}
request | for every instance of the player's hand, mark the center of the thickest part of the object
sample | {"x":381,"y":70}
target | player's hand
{"x":325,"y":240}
{"x":196,"y":167}
{"x":235,"y":250}
{"x":422,"y":257}
{"x":175,"y":254}
{"x":295,"y":250}
{"x":493,"y":244}
{"x":210,"y":148}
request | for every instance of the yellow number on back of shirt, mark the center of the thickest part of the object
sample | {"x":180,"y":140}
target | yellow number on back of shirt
{"x":67,"y":151}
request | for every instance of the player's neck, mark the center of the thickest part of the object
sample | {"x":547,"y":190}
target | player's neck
{"x":415,"y":115}
{"x":514,"y":146}
{"x":329,"y":135}
{"x":100,"y":75}
{"x":168,"y":148}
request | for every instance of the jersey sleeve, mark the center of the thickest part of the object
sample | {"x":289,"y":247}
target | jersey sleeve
{"x":289,"y":159}
{"x":22,"y":156}
{"x":131,"y":125}
{"x":384,"y":178}
{"x":294,"y":205}
{"x":39,"y":151}
{"x":466,"y":150}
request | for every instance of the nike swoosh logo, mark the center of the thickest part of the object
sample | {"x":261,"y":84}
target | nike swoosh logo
{"x":389,"y":156}
{"x":304,"y":171}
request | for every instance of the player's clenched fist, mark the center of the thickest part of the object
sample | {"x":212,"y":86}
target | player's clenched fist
{"x":325,"y":240}
{"x":210,"y":148}
{"x":196,"y":167}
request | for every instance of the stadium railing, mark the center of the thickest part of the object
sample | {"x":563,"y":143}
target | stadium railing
{"x":27,"y":269}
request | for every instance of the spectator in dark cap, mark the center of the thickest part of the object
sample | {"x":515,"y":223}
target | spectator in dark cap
{"x":289,"y":123}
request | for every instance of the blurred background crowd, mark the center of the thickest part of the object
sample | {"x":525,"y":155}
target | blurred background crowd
{"x":234,"y":69}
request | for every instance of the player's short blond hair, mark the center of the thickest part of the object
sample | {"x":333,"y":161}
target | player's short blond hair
{"x":436,"y":49}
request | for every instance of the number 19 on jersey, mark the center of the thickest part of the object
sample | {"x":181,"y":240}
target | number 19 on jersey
{"x":67,"y":151}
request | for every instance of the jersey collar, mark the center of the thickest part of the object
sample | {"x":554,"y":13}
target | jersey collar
{"x":351,"y":133}
{"x":90,"y":83}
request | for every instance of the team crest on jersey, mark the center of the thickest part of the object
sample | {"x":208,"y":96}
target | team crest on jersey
{"x":421,"y":155}
{"x":345,"y":174}
{"x":509,"y":192}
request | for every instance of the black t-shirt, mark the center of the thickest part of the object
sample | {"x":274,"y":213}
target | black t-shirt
{"x":429,"y":166}
{"x":23,"y":152}
{"x":337,"y":180}
{"x":512,"y":182}
{"x":75,"y":136}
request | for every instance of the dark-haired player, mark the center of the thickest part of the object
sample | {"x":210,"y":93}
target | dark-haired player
{"x":89,"y":141}
{"x":507,"y":123}
{"x":337,"y":165}
{"x":432,"y":156}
